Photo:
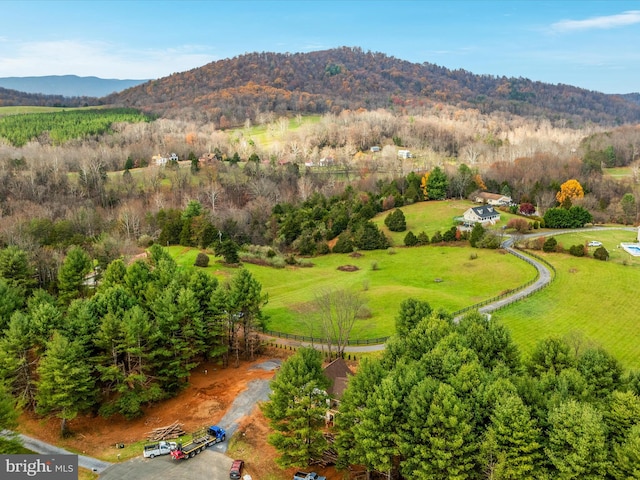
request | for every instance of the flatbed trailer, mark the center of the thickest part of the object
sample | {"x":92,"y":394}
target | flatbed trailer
{"x":200,"y":440}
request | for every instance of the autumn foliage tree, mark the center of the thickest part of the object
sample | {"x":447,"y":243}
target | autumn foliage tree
{"x":569,"y":190}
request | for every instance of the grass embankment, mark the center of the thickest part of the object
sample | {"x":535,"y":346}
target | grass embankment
{"x":446,"y":277}
{"x":595,"y":300}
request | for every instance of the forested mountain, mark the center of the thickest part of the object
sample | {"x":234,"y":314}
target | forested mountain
{"x":11,"y":98}
{"x":229,"y":91}
{"x":68,"y":85}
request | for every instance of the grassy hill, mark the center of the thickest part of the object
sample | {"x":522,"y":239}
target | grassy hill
{"x":590,"y":300}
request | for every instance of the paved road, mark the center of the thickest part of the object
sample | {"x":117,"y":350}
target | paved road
{"x":39,"y":446}
{"x":544,"y":278}
{"x":212,"y":463}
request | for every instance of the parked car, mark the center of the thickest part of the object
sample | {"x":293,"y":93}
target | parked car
{"x":594,"y":243}
{"x":235,"y":473}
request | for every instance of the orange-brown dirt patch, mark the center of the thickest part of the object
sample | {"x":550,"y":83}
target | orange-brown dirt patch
{"x":204,"y":402}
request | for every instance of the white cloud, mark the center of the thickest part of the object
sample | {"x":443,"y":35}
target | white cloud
{"x":610,"y":21}
{"x":101,"y":59}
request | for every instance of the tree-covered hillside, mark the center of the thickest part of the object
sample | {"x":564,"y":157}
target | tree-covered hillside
{"x":229,"y":91}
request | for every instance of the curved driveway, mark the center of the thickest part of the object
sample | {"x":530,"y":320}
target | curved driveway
{"x":544,"y":278}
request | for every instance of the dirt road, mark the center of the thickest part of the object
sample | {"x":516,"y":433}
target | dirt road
{"x":210,"y":464}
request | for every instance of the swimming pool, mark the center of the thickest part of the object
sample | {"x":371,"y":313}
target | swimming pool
{"x":631,"y":248}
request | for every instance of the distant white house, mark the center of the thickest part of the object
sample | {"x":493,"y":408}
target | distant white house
{"x":492,"y":199}
{"x":404,"y":154}
{"x":161,"y":160}
{"x":484,"y":214}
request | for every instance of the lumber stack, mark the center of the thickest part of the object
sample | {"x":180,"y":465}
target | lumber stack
{"x":174,"y":430}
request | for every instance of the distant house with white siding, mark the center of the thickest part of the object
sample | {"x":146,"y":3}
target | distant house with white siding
{"x":484,"y":214}
{"x":494,"y":199}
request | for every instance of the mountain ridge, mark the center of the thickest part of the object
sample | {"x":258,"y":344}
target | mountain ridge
{"x":229,"y":91}
{"x":68,"y":85}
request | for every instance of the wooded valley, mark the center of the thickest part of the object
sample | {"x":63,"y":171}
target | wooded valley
{"x":293,"y":159}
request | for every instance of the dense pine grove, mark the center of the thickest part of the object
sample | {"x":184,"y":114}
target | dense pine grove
{"x":454,"y":400}
{"x":132,"y":340}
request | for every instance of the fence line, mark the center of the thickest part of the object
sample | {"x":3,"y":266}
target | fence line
{"x":477,"y":306}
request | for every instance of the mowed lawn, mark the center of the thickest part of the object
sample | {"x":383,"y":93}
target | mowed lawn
{"x":431,"y":217}
{"x":446,"y":277}
{"x":596,"y":300}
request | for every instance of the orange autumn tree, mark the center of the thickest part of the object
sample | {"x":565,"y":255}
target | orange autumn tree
{"x":479,"y":183}
{"x":423,"y":184}
{"x":568,"y":191}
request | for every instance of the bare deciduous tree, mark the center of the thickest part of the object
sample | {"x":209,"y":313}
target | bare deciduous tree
{"x":338,"y":310}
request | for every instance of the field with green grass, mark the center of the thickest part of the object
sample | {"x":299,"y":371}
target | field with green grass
{"x":589,"y":298}
{"x":17,"y":110}
{"x":618,"y":172}
{"x":431,"y":217}
{"x":593,"y":299}
{"x":446,"y":277}
{"x":266,"y":134}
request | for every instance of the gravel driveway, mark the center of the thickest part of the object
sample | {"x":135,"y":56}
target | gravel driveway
{"x":212,"y":463}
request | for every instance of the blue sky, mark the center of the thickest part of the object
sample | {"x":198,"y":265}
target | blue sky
{"x":590,"y":44}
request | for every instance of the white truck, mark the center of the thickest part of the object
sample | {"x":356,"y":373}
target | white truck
{"x":160,"y":448}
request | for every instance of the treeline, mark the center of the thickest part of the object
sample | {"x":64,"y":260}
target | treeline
{"x":457,"y":401}
{"x":132,"y":339}
{"x":63,"y":126}
{"x":228,"y":92}
{"x":13,"y":98}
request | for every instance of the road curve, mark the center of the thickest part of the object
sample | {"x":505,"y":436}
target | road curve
{"x":544,"y":278}
{"x":44,"y":448}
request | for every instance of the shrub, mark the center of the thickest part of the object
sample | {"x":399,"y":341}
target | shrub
{"x":476,"y":234}
{"x":374,"y":266}
{"x":323,"y":248}
{"x":577,"y":250}
{"x":145,"y":241}
{"x":344,"y":244}
{"x":601,"y":253}
{"x":202,"y":260}
{"x":395,"y":221}
{"x":527,"y":208}
{"x":437,"y":237}
{"x":423,"y":239}
{"x":410,"y":240}
{"x":549,"y":245}
{"x":290,"y":260}
{"x":490,"y":239}
{"x":520,"y":225}
{"x":450,"y":235}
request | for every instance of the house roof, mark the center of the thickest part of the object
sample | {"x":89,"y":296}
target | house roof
{"x":491,"y":196}
{"x":338,"y":373}
{"x":485,"y":212}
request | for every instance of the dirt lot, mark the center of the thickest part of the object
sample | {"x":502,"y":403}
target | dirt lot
{"x":211,"y":392}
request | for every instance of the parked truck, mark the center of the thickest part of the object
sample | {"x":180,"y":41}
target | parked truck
{"x":307,"y":476}
{"x":160,"y":448}
{"x":200,"y":440}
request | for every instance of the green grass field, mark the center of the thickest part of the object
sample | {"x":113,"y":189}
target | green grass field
{"x":590,"y":299}
{"x":266,"y":134}
{"x":17,"y":110}
{"x":431,"y":217}
{"x":594,"y":299}
{"x":618,"y":172}
{"x":446,"y":277}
